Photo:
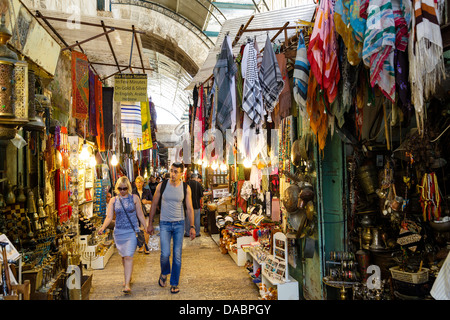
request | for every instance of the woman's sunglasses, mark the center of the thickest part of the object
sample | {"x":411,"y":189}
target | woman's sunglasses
{"x":122,"y":189}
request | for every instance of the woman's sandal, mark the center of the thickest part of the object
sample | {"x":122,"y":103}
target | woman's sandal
{"x":162,"y":280}
{"x":174,"y":289}
{"x":126,"y":291}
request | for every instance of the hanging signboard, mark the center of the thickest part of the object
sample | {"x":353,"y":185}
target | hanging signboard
{"x":130,"y":87}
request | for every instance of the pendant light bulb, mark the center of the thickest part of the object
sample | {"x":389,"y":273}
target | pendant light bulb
{"x":84,"y":155}
{"x":247,"y":163}
{"x":214,"y":165}
{"x":114,"y":160}
{"x":93,"y":161}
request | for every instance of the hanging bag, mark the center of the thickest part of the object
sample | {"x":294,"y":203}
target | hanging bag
{"x":140,"y":233}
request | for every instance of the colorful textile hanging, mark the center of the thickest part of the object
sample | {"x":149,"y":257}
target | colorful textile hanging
{"x":379,"y":45}
{"x":322,"y":51}
{"x":99,"y":114}
{"x":351,"y":27}
{"x":131,"y":123}
{"x":146,"y":127}
{"x":108,"y":120}
{"x":224,"y":72}
{"x":270,"y":78}
{"x":80,"y":86}
{"x":315,"y":106}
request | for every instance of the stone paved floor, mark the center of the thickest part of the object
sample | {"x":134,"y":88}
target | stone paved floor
{"x":206,"y":274}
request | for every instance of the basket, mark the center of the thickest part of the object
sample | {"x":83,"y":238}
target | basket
{"x":418,"y":277}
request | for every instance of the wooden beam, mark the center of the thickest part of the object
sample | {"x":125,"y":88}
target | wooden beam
{"x":241,"y":30}
{"x":39,"y":15}
{"x":120,"y":65}
{"x":139,"y":50}
{"x":120,"y":71}
{"x":87,"y":40}
{"x":110,"y":45}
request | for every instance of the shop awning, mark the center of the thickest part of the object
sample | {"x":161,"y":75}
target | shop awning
{"x":273,"y":20}
{"x":111,"y":45}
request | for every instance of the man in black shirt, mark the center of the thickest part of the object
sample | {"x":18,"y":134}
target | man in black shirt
{"x":197,"y":194}
{"x":152,"y":185}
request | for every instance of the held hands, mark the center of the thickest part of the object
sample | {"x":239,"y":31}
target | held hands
{"x":101,"y":230}
{"x":150,"y":229}
{"x":192,"y":233}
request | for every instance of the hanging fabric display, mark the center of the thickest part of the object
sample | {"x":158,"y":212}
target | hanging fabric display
{"x":92,"y":123}
{"x":80,"y":86}
{"x":108,"y":120}
{"x":425,"y":51}
{"x":131,"y":123}
{"x":379,"y":45}
{"x":351,"y":27}
{"x":322,"y":51}
{"x":99,"y":114}
{"x":301,"y":75}
{"x":224,"y":72}
{"x":146,"y":127}
{"x":270,"y":78}
{"x":251,"y":96}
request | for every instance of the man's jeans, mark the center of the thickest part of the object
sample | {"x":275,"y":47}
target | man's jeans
{"x":187,"y":224}
{"x":169,"y":230}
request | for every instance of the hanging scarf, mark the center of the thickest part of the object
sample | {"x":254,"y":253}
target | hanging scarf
{"x":252,"y":98}
{"x":301,"y":75}
{"x":92,"y":105}
{"x":131,"y":123}
{"x":80,"y":85}
{"x":322,"y":51}
{"x":270,"y":78}
{"x":379,"y":45}
{"x":224,"y":72}
{"x":425,"y":51}
{"x":346,"y":15}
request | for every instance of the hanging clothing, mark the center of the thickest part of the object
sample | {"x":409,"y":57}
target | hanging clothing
{"x":379,"y":45}
{"x":322,"y":51}
{"x":224,"y":72}
{"x":252,"y":102}
{"x":270,"y":78}
{"x":92,"y":123}
{"x":108,"y":119}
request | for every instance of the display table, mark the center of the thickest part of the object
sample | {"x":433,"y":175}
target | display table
{"x":240,"y":256}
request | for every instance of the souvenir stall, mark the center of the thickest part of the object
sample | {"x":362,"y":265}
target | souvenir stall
{"x":358,"y":188}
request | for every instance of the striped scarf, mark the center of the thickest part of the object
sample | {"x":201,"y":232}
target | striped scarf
{"x":301,"y":74}
{"x":131,"y":123}
{"x":379,"y":45}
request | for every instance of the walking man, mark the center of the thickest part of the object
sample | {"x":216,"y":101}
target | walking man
{"x":197,"y":194}
{"x":176,"y":202}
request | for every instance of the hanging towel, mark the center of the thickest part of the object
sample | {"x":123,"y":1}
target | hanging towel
{"x":80,"y":86}
{"x":131,"y":123}
{"x":270,"y":78}
{"x":379,"y":45}
{"x":224,"y":71}
{"x":301,"y":75}
{"x":252,"y":102}
{"x":322,"y":51}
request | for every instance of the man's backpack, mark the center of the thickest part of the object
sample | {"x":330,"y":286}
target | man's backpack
{"x":163,"y":187}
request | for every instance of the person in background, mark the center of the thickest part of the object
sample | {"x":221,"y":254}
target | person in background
{"x":197,"y":194}
{"x":127,"y":208}
{"x":152,"y":184}
{"x":171,"y":224}
{"x":146,"y":197}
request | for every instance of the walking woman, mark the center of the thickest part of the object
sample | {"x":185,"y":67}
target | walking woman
{"x":128,"y":210}
{"x":146,"y":197}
